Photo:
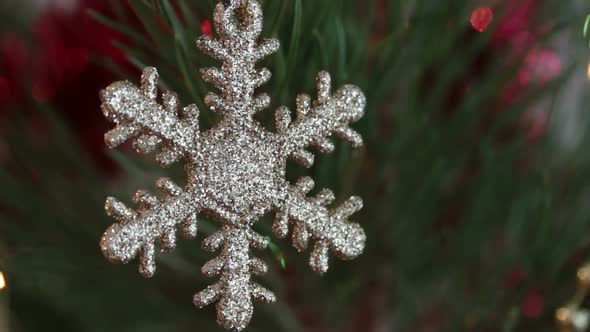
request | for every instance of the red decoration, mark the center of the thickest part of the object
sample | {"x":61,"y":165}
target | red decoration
{"x":43,"y":91}
{"x":533,"y":305}
{"x":58,"y":64}
{"x":207,"y":28}
{"x":14,"y":64}
{"x":517,"y":27}
{"x":481,"y":18}
{"x":540,"y":67}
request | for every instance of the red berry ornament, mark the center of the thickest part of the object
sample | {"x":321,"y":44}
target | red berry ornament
{"x":481,"y":18}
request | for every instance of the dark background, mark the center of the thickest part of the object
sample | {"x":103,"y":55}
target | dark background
{"x":475,"y":173}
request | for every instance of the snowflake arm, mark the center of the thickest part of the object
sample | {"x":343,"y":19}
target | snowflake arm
{"x":329,"y":228}
{"x":238,"y":49}
{"x":316,"y":122}
{"x":140,"y":118}
{"x":155,"y":220}
{"x":235,"y":289}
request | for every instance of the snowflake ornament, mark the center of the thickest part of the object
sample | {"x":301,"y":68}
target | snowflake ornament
{"x":235,"y":171}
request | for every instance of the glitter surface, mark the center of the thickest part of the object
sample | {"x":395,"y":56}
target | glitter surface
{"x":236,"y":170}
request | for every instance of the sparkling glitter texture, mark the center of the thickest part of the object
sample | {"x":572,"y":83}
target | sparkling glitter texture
{"x":236,"y":170}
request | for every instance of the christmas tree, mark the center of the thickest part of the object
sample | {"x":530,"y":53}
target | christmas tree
{"x":472,"y":171}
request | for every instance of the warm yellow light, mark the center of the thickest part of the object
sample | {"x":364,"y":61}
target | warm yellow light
{"x":563,"y":315}
{"x":589,"y":70}
{"x":2,"y":281}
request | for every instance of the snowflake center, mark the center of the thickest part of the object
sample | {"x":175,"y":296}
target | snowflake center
{"x":240,"y":170}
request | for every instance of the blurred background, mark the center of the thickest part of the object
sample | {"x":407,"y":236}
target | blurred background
{"x":475,"y":173}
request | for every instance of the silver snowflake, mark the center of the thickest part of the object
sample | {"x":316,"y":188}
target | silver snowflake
{"x":236,"y":170}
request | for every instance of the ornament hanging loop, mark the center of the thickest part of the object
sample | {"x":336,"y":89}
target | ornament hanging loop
{"x":239,"y":5}
{"x":242,"y":10}
{"x":239,"y":17}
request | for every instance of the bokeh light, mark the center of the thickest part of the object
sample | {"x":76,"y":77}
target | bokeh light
{"x":2,"y":281}
{"x":540,"y":67}
{"x":481,"y":18}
